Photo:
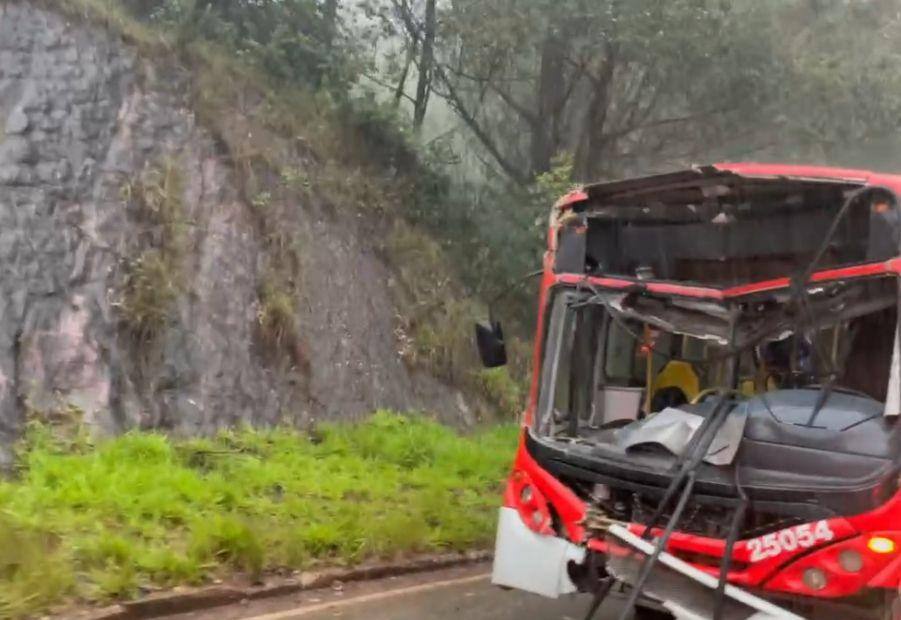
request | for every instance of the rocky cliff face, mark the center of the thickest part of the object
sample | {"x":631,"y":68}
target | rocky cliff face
{"x":81,"y":119}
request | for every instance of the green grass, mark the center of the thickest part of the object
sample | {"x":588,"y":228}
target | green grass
{"x":101,"y":522}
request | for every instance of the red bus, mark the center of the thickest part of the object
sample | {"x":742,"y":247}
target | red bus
{"x":715,"y":389}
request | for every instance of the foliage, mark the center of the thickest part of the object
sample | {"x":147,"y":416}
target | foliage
{"x":631,"y":86}
{"x":296,"y":41}
{"x":101,"y":522}
{"x":846,"y":98}
{"x":435,"y":330}
{"x":436,"y":325}
{"x":149,"y":293}
{"x":501,"y":387}
{"x":558,"y":180}
{"x":381,"y":131}
{"x":32,"y":573}
{"x":115,"y":15}
{"x":276,"y":315}
{"x":153,"y":279}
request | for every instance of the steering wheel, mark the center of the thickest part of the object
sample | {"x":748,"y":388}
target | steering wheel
{"x":713,"y":390}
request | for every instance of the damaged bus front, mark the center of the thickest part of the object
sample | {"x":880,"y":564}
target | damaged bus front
{"x":717,"y":379}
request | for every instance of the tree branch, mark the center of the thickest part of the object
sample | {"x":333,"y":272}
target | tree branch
{"x":399,"y":92}
{"x":528,"y":115}
{"x":406,"y":16}
{"x":456,"y":102}
{"x":663,"y":122}
{"x":384,"y":84}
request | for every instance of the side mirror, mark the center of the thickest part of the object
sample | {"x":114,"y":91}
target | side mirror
{"x":490,"y":341}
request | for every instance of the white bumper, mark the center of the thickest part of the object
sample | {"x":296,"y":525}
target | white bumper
{"x":528,"y":561}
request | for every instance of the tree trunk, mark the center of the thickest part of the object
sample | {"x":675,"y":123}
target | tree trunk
{"x":589,"y":159}
{"x":551,"y":87}
{"x":329,"y":23}
{"x":402,"y":80}
{"x":426,"y":66}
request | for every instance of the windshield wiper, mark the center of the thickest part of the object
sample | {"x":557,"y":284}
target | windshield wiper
{"x":823,"y":396}
{"x":802,"y":299}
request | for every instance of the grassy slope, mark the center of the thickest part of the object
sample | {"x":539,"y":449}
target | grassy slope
{"x":100,"y":522}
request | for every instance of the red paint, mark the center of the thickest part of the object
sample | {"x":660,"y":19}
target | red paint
{"x":780,"y":573}
{"x":889,"y":267}
{"x":793,"y":171}
{"x":890,"y":577}
{"x":532,"y":509}
{"x":820,"y":173}
{"x":605,"y":282}
{"x":573,"y":197}
{"x":892,"y":266}
{"x":566,"y":504}
{"x":683,"y":290}
{"x":839,"y":582}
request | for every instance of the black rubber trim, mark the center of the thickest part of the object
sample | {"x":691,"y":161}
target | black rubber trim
{"x":801,"y":503}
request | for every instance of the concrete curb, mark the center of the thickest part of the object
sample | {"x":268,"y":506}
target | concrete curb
{"x":185,"y":600}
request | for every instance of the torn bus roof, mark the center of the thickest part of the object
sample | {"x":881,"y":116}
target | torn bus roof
{"x":700,"y":182}
{"x":728,"y":225}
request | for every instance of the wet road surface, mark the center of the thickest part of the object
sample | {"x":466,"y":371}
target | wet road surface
{"x":455,"y":594}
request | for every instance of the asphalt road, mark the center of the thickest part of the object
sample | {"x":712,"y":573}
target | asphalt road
{"x":456,"y":594}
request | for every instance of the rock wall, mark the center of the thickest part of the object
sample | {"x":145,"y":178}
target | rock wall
{"x":78,"y":122}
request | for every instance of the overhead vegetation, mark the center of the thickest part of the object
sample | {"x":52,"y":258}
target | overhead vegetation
{"x":629,"y":86}
{"x":466,"y":107}
{"x":93,"y":522}
{"x":466,"y":119}
{"x":292,"y":40}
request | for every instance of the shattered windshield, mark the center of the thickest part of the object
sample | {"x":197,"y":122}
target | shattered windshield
{"x":612,"y":356}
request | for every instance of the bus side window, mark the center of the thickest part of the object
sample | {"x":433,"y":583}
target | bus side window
{"x":620,"y":359}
